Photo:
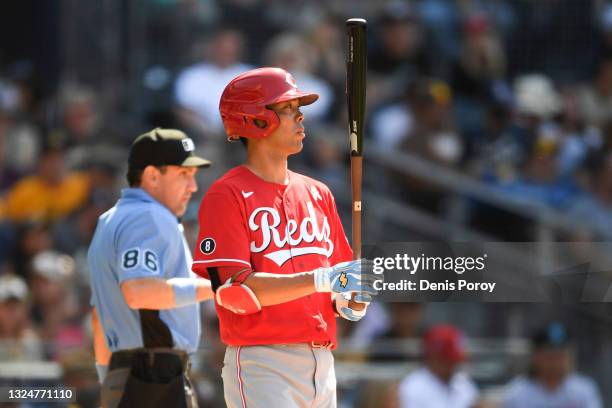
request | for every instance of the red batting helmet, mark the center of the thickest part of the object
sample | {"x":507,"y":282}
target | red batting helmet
{"x":246,"y":97}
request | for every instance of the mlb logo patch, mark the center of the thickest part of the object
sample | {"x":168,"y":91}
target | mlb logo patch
{"x":188,"y":145}
{"x":289,"y":79}
{"x":315,"y":193}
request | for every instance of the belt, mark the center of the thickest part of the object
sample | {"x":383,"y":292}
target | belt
{"x":124,"y":358}
{"x":311,"y":344}
{"x":321,"y":344}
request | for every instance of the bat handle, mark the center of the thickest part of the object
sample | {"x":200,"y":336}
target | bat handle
{"x":356,"y":182}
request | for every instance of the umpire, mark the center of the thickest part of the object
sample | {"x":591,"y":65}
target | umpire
{"x":145,"y":297}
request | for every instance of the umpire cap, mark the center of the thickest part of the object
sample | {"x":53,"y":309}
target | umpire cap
{"x":163,"y":147}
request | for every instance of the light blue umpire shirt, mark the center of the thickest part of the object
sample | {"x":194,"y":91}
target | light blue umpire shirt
{"x":139,"y":238}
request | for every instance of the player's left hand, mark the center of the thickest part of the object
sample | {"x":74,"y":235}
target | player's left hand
{"x":352,"y":309}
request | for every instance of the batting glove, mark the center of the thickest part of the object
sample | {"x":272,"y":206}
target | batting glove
{"x":351,"y":276}
{"x":344,"y":310}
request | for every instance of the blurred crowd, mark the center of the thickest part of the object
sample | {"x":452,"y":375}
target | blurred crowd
{"x":548,"y":378}
{"x":514,"y":93}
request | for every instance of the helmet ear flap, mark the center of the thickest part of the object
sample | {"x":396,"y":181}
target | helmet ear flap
{"x":260,"y":123}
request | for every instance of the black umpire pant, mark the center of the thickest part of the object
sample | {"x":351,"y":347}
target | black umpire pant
{"x":148,"y":378}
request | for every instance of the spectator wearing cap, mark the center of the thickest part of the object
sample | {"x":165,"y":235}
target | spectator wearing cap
{"x":550,"y":382}
{"x":54,"y":306}
{"x":525,"y":161}
{"x":18,"y":341}
{"x":51,"y":193}
{"x":536,"y":102}
{"x":438,"y":383}
{"x":146,"y":315}
{"x":539,"y":140}
{"x":421,"y":125}
{"x":422,"y":112}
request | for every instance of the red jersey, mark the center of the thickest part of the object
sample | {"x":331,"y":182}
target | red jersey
{"x":248,"y":222}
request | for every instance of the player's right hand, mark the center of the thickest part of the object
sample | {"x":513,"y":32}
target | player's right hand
{"x":351,"y":276}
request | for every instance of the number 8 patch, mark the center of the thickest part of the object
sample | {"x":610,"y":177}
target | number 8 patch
{"x":207,"y":246}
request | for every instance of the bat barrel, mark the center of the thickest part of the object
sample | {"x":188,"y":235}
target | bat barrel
{"x":356,"y":66}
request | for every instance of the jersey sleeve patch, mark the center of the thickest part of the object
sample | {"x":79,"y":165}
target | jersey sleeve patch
{"x":207,"y":246}
{"x":146,"y":259}
{"x":223,"y":239}
{"x":142,"y":247}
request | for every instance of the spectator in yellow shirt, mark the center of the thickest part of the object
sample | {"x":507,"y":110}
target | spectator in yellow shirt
{"x":51,"y":193}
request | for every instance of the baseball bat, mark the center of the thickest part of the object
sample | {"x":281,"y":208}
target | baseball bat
{"x":356,"y":66}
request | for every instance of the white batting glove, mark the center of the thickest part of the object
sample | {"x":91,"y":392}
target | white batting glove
{"x":344,"y":310}
{"x":351,"y":276}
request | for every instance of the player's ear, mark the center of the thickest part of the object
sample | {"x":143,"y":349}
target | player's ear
{"x":150,"y":176}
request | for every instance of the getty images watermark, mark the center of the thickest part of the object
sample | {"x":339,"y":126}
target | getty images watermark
{"x":413,"y":264}
{"x":492,"y":271}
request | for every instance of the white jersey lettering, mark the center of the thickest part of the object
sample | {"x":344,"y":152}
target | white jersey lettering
{"x":308,"y":231}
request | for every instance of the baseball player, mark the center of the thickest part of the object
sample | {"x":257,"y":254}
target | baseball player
{"x":552,"y":381}
{"x":146,"y":314}
{"x":439,"y":383}
{"x":272,"y":244}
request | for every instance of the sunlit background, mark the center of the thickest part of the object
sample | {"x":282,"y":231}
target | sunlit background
{"x":488,"y":120}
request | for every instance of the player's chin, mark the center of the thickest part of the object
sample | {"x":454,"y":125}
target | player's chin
{"x":297,"y":147}
{"x":180,"y":209}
